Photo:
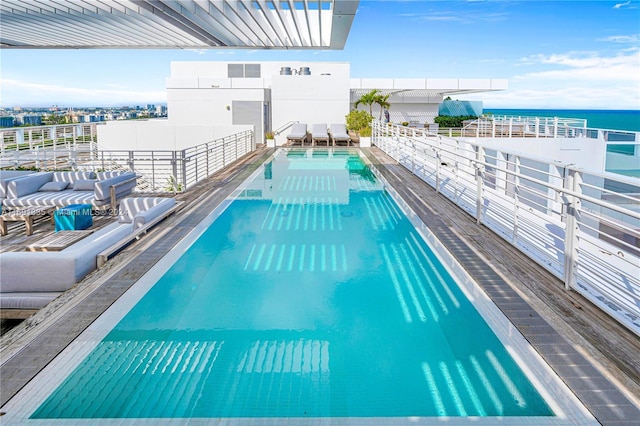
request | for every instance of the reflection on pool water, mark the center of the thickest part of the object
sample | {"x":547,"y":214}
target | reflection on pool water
{"x":311,"y":295}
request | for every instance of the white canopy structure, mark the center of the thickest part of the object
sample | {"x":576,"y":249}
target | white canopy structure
{"x":185,"y":24}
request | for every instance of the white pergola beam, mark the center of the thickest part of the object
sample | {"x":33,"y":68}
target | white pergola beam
{"x":279,"y":24}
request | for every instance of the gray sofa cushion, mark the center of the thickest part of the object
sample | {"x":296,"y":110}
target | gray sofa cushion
{"x":27,"y":185}
{"x":142,"y":210}
{"x":85,"y":185}
{"x":103,"y":191}
{"x":109,"y":174}
{"x":72,"y":177}
{"x":21,"y":300}
{"x":7,"y":176}
{"x":53,"y":187}
{"x":57,"y":199}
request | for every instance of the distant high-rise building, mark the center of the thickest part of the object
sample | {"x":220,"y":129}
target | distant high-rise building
{"x":6,"y":122}
{"x":32,"y":120}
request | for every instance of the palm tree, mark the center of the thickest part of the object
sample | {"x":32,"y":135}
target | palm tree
{"x":383,"y":101}
{"x":368,"y":99}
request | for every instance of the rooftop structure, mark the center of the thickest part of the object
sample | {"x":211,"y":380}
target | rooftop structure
{"x":211,"y":99}
{"x":185,"y":24}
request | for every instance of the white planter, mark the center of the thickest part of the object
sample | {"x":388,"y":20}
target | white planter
{"x":365,"y":141}
{"x":271,"y":143}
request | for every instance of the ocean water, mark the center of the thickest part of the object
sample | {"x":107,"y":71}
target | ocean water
{"x":598,"y":119}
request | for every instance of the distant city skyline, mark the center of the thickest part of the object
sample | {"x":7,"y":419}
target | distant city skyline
{"x":555,"y":54}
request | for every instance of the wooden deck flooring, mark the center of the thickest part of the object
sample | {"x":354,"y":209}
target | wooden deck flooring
{"x":513,"y":281}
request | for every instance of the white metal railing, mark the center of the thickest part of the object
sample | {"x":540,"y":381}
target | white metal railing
{"x":63,"y":136}
{"x":583,"y":227}
{"x":538,"y":127}
{"x":159,"y":170}
{"x":176,"y":171}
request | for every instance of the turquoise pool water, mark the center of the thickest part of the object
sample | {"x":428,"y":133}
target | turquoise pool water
{"x":311,"y":295}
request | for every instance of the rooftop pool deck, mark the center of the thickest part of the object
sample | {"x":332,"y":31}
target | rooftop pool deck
{"x":592,"y":354}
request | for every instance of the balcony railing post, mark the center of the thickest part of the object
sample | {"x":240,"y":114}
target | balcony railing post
{"x":174,"y":171}
{"x":516,"y":197}
{"x":413,"y":158}
{"x":479,"y":184}
{"x":184,"y":169}
{"x":131,"y":161}
{"x":573,"y":184}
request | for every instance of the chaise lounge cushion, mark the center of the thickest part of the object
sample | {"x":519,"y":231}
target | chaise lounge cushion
{"x":298,"y":132}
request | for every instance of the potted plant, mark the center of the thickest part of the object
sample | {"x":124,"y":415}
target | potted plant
{"x":270,"y":138}
{"x":359,"y":122}
{"x":365,"y":137}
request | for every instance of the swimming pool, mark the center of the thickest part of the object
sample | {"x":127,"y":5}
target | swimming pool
{"x":311,"y":295}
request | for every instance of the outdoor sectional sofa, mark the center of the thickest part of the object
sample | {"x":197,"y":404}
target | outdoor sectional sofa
{"x":60,"y":189}
{"x":30,"y":280}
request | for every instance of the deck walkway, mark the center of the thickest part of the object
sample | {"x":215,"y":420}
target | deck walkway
{"x":593,"y":354}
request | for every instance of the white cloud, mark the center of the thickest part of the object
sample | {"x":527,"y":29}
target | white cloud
{"x":198,"y":51}
{"x":625,"y":5}
{"x":574,"y":80}
{"x":625,"y":66}
{"x":631,"y":39}
{"x":16,"y":92}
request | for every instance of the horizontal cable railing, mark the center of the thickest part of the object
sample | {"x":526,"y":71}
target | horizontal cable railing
{"x":158,"y":170}
{"x":583,"y":227}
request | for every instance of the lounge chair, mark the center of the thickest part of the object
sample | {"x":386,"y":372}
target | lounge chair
{"x":298,"y":133}
{"x":339,"y":134}
{"x":319,"y":133}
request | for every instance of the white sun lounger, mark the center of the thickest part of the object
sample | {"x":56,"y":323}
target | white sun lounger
{"x":339,"y":133}
{"x":298,"y":133}
{"x":319,"y":133}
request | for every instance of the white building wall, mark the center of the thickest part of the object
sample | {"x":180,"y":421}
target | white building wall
{"x":202,"y":93}
{"x":309,"y":99}
{"x":159,"y":135}
{"x":207,"y":106}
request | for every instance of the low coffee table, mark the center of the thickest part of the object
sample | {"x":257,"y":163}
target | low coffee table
{"x":58,"y":241}
{"x":27,"y":215}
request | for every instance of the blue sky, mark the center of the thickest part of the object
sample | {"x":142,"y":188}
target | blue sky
{"x":555,"y":54}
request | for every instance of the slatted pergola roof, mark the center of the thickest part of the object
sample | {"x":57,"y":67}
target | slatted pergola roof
{"x":186,"y":24}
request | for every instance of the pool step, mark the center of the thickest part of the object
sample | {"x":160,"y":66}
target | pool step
{"x":303,"y":214}
{"x":422,"y":289}
{"x":297,"y":258}
{"x":382,"y":212}
{"x":307,"y":184}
